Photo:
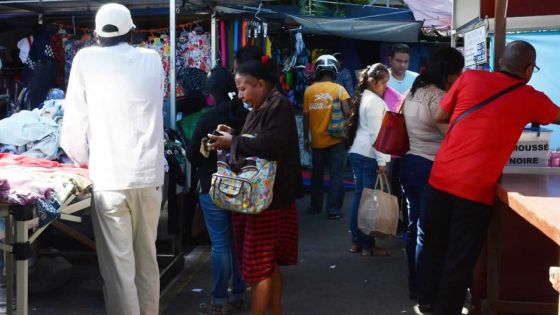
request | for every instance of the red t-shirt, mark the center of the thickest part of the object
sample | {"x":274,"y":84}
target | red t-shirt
{"x":473,"y":155}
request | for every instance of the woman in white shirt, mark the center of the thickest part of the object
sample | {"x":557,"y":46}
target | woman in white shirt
{"x":425,"y":136}
{"x":366,"y":162}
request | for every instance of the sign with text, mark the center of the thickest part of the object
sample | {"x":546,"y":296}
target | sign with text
{"x":475,"y":47}
{"x":532,"y":150}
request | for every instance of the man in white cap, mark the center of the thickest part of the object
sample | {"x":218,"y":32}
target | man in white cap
{"x":113,"y":124}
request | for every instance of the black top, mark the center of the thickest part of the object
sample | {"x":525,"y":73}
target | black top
{"x":224,"y":112}
{"x":275,"y":131}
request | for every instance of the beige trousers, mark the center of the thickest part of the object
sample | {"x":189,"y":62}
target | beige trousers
{"x":125,"y":228}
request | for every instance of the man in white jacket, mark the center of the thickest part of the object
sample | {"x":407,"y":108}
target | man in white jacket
{"x":113,"y":124}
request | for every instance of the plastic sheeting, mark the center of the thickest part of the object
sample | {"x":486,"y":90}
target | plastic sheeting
{"x":376,"y":30}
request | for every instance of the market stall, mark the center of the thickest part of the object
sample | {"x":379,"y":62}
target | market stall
{"x":512,"y":275}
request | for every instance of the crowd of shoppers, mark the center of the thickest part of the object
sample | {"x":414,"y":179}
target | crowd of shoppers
{"x":448,"y":184}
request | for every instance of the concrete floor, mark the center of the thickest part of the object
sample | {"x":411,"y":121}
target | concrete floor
{"x":327,"y":280}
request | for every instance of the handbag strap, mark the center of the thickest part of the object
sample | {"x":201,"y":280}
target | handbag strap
{"x":382,"y":182}
{"x":485,"y":102}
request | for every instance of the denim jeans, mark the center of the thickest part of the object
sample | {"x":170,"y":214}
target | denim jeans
{"x":414,"y":174}
{"x":365,"y":172}
{"x":335,"y":157}
{"x":224,"y":261}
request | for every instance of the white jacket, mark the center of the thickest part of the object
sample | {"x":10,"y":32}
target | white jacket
{"x":372,"y":109}
{"x":113,"y":116}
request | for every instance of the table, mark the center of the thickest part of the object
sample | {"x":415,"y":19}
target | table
{"x":524,"y":233}
{"x":19,"y":220}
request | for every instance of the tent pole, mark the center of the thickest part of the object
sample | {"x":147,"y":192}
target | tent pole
{"x":172,"y":77}
{"x":213,"y":40}
{"x":500,"y":19}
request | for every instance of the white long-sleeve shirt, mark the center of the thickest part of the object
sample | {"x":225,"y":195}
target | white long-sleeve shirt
{"x":113,"y":116}
{"x":372,"y":109}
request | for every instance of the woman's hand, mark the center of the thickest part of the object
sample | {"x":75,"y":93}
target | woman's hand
{"x":224,"y":128}
{"x":383,"y":170}
{"x":220,"y":142}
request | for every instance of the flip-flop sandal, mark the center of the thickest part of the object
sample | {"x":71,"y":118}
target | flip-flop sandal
{"x":355,"y":249}
{"x":380,"y":252}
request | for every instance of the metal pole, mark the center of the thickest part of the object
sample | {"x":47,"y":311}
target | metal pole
{"x":500,"y":18}
{"x":213,"y":40}
{"x":9,"y":265}
{"x":172,"y":79}
{"x":22,"y":271}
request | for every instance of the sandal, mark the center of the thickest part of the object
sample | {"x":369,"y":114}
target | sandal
{"x":215,"y":309}
{"x":376,"y":252}
{"x":355,"y":249}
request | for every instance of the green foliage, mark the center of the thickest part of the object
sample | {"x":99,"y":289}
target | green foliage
{"x":317,"y":8}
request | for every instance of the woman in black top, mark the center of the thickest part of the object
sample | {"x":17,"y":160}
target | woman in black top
{"x":218,"y":221}
{"x":268,"y":239}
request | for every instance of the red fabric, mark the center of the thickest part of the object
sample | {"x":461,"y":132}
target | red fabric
{"x":473,"y":155}
{"x":265,"y":239}
{"x":7,"y":159}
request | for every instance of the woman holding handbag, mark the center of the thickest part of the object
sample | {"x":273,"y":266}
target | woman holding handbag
{"x":367,"y":115}
{"x":269,"y":239}
{"x":425,"y":137}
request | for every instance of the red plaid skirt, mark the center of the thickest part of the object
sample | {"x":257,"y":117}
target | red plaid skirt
{"x":264,"y":240}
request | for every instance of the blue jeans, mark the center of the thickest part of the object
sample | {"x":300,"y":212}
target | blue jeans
{"x":335,"y":157}
{"x":224,"y":262}
{"x":365,"y":172}
{"x":415,"y":171}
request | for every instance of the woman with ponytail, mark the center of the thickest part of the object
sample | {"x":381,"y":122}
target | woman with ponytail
{"x":368,"y":110}
{"x":425,"y":135}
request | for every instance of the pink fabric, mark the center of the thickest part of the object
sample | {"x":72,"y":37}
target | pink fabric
{"x":392,"y":98}
{"x":434,"y":13}
{"x":24,"y":180}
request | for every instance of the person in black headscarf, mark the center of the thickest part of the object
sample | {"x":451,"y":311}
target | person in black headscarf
{"x":218,"y":221}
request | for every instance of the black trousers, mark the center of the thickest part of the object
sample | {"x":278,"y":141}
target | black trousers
{"x":455,"y":231}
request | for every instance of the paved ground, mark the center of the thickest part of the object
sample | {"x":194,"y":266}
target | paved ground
{"x":328,"y":279}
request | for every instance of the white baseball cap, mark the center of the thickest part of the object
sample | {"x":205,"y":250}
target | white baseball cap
{"x":113,"y":14}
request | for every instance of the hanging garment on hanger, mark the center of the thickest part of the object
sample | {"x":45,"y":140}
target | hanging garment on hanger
{"x":235,"y":37}
{"x":268,"y":47}
{"x":223,"y":43}
{"x":244,"y":33}
{"x":230,"y":55}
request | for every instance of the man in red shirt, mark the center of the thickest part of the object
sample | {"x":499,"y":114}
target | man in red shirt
{"x":467,"y":168}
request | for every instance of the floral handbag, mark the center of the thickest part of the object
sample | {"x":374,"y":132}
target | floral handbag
{"x":243,"y":186}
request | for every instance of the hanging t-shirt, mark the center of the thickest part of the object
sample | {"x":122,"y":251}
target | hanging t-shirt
{"x":474,"y":153}
{"x":318,"y":103}
{"x":402,"y":86}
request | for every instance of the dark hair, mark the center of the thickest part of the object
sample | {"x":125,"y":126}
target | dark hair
{"x":112,"y":41}
{"x":400,"y":48}
{"x":442,"y":63}
{"x":376,"y":72}
{"x":259,"y":70}
{"x":248,"y":53}
{"x":220,"y":83}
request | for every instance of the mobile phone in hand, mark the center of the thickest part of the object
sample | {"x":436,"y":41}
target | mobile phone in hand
{"x":215,"y":133}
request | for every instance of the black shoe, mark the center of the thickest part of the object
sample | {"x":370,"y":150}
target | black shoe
{"x":334,"y":216}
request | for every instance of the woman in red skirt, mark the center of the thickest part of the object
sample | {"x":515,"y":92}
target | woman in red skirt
{"x":270,"y":239}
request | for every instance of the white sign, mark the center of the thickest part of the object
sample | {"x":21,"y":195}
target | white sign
{"x":475,"y":47}
{"x":530,"y":153}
